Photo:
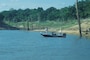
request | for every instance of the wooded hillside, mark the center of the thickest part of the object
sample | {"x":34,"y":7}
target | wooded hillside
{"x":52,"y":14}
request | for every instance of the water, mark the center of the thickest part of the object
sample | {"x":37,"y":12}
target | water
{"x":24,"y":45}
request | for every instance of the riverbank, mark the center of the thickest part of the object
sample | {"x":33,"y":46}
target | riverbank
{"x":72,"y":32}
{"x":72,"y":28}
{"x":85,"y":27}
{"x":69,"y":27}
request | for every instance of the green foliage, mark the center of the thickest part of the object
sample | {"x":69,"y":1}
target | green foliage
{"x":1,"y":17}
{"x":51,"y":14}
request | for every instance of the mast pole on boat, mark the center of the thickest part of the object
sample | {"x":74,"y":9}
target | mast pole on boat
{"x":46,"y":29}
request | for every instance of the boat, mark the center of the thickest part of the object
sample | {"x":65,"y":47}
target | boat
{"x":54,"y":35}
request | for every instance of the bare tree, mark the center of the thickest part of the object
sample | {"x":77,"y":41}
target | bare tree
{"x":78,"y":18}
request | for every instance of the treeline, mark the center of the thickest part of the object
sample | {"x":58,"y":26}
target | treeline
{"x":52,"y":14}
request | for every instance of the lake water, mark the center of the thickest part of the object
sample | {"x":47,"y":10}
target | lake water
{"x":25,"y":45}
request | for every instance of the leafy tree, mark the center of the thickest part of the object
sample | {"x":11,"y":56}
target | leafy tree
{"x":1,"y":17}
{"x":53,"y":14}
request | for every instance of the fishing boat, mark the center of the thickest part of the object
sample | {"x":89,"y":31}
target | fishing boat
{"x":52,"y":34}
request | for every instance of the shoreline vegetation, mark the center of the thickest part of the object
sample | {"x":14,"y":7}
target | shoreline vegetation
{"x":69,"y":27}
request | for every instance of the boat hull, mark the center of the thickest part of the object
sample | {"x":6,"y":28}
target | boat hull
{"x":48,"y":35}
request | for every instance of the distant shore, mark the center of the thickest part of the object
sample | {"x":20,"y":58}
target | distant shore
{"x":73,"y":32}
{"x":70,"y":27}
{"x":64,"y":31}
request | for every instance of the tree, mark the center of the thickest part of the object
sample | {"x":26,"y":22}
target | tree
{"x":78,"y":18}
{"x":66,"y":13}
{"x":51,"y":13}
{"x":1,"y":17}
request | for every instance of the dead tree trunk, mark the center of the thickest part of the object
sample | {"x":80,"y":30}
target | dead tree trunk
{"x":78,"y":18}
{"x":27,"y":25}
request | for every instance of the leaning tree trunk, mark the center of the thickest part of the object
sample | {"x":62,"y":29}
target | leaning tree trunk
{"x":78,"y":18}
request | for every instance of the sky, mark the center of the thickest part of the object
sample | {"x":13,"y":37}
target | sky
{"x":23,"y":4}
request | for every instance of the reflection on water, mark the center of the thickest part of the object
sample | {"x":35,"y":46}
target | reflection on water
{"x":23,"y":45}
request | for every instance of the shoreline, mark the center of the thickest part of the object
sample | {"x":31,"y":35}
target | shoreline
{"x":73,"y":32}
{"x":64,"y":31}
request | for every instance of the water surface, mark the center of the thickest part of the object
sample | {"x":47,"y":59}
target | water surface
{"x":25,"y":45}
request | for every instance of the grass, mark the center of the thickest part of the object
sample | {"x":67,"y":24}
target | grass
{"x":52,"y":25}
{"x":49,"y":24}
{"x":70,"y":26}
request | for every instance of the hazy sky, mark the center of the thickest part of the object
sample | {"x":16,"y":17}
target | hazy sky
{"x":16,"y":4}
